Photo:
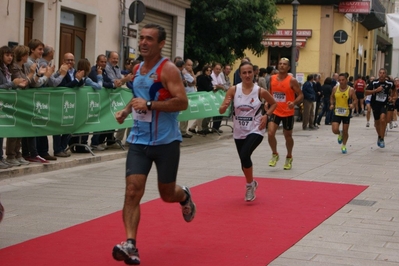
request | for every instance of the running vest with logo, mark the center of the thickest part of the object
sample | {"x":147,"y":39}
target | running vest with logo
{"x":282,"y":93}
{"x":247,"y":112}
{"x":342,"y":102}
{"x":151,"y":127}
{"x":381,"y":98}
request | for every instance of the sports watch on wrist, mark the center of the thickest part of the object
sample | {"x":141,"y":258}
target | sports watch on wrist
{"x":149,"y":105}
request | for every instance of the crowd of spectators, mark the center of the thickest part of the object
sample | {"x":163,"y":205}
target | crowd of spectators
{"x":24,"y":67}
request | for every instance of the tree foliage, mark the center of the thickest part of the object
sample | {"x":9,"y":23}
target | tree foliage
{"x":221,"y":31}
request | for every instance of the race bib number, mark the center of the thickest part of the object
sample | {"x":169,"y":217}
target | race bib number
{"x":380,"y":97}
{"x":340,"y":111}
{"x":279,"y":96}
{"x":142,"y":116}
{"x":245,"y":123}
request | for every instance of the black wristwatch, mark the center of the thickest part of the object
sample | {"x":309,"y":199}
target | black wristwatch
{"x":149,"y":105}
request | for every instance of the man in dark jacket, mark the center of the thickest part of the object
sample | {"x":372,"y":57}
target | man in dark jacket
{"x":101,"y":62}
{"x":72,"y":79}
{"x":319,"y":96}
{"x":309,"y":97}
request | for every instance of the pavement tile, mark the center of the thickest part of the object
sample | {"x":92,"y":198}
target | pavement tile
{"x":337,"y":260}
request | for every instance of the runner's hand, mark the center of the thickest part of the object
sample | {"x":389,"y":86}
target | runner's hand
{"x":263,"y":121}
{"x":120,"y":116}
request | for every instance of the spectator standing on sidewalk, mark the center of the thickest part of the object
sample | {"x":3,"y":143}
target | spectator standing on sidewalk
{"x":114,"y":73}
{"x":326,"y":90}
{"x":101,"y":63}
{"x":309,"y":97}
{"x":51,"y":81}
{"x":318,"y":95}
{"x":13,"y":146}
{"x":204,"y":83}
{"x":154,"y":137}
{"x":188,"y":77}
{"x":7,"y":82}
{"x":31,"y":150}
{"x":72,"y":79}
{"x":225,"y":76}
{"x":218,"y":84}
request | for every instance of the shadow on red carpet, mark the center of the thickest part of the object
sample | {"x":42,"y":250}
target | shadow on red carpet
{"x":226,"y":230}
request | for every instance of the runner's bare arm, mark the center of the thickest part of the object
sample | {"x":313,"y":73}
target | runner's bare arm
{"x":354,"y":98}
{"x":122,"y":114}
{"x":270,"y":101}
{"x":394,"y":94}
{"x":227,"y":100}
{"x":299,"y":95}
{"x":332,"y":98}
{"x":171,"y":80}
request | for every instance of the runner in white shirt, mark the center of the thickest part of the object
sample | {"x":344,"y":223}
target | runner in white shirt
{"x":249,"y":122}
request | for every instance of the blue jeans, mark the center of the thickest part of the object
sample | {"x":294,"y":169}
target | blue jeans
{"x":60,"y":143}
{"x":326,"y":110}
{"x":95,"y":139}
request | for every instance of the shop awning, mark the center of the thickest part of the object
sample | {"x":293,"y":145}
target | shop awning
{"x":280,"y":41}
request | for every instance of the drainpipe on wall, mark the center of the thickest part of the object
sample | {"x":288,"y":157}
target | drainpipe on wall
{"x":121,"y":38}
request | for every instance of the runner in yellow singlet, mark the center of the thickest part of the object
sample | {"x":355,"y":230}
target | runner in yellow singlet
{"x":343,"y":100}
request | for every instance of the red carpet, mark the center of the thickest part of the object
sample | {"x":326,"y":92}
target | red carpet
{"x":226,"y":231}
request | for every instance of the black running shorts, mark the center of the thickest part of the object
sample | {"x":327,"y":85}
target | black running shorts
{"x":378,"y":110}
{"x":338,"y":119}
{"x":288,"y":122}
{"x":166,"y":158}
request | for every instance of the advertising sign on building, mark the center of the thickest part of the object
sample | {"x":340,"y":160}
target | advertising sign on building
{"x":283,"y":38}
{"x":354,"y":7}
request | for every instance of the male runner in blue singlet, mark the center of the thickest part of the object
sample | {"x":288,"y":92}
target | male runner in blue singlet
{"x":159,"y":95}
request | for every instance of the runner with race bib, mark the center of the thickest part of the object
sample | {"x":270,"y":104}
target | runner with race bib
{"x":343,"y":100}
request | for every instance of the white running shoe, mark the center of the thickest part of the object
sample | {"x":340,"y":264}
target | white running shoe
{"x":127,"y":252}
{"x":189,"y":209}
{"x":250,"y":191}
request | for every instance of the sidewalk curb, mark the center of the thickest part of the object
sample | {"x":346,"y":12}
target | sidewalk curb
{"x":78,"y":159}
{"x":61,"y":163}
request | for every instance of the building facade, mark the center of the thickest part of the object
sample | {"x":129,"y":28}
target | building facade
{"x":395,"y":48}
{"x":330,"y":39}
{"x":88,"y":28}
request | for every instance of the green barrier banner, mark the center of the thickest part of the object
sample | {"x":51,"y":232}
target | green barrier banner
{"x":54,"y":111}
{"x":203,"y":104}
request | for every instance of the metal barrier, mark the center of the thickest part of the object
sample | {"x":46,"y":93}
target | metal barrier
{"x":86,"y":146}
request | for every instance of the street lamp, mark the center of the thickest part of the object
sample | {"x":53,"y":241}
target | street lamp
{"x":295,"y":5}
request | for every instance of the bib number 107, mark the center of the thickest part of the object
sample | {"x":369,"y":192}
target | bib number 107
{"x":243,"y":123}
